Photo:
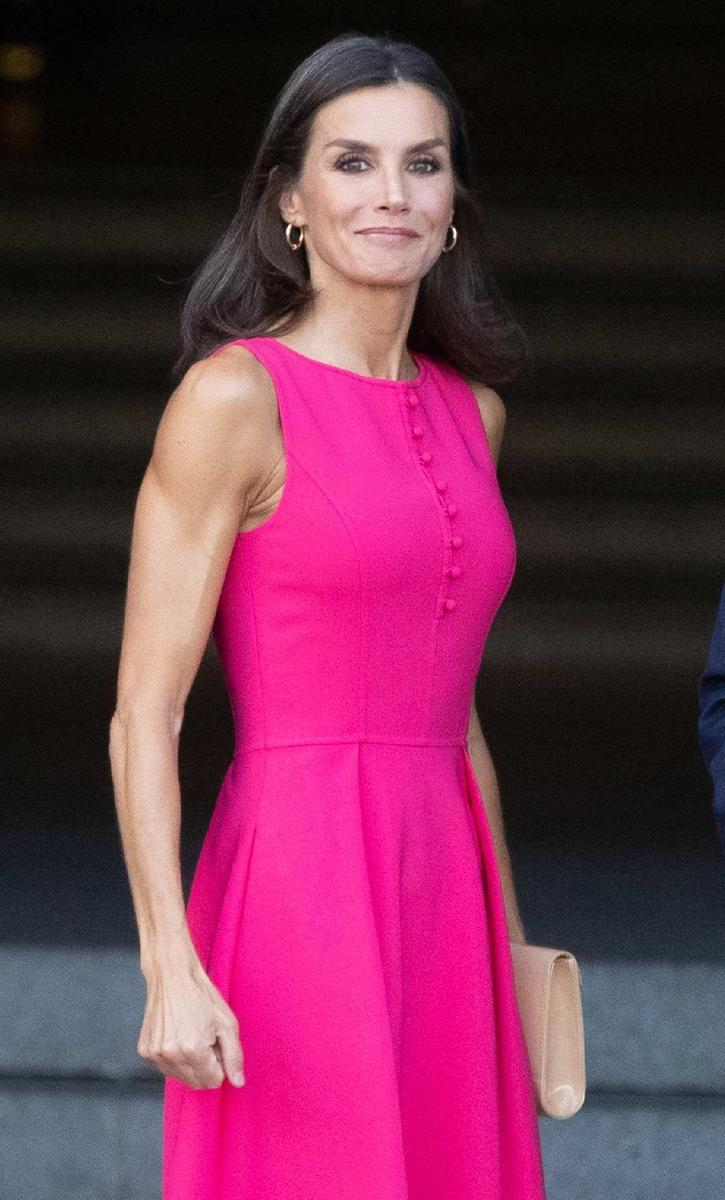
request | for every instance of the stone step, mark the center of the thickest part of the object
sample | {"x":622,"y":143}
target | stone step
{"x":644,"y":445}
{"x":644,"y":928}
{"x":158,"y":217}
{"x":651,"y":1027}
{"x":530,"y":633}
{"x":553,"y":445}
{"x":629,"y":905}
{"x":595,"y":541}
{"x":92,"y":324}
{"x":136,"y":355}
{"x":590,"y":709}
{"x":103,"y":1142}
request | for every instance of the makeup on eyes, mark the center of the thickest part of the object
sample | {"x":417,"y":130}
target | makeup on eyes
{"x":432,"y":162}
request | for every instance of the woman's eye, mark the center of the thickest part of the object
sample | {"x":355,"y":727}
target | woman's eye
{"x":343,"y":162}
{"x":431,"y":162}
{"x":351,"y":158}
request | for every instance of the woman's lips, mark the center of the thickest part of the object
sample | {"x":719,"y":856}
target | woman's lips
{"x":395,"y":235}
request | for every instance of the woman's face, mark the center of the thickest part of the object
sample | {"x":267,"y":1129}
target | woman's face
{"x":399,"y":175}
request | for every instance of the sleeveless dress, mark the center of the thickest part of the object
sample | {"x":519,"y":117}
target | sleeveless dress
{"x":346,"y":901}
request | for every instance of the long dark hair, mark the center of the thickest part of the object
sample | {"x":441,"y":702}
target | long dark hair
{"x":251,"y":279}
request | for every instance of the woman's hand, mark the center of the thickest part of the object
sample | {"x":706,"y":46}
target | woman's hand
{"x":189,"y":1031}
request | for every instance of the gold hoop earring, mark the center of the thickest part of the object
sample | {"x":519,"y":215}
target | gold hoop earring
{"x":295,"y":245}
{"x":455,"y":239}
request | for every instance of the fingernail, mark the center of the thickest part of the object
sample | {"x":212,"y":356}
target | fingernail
{"x":238,"y":1079}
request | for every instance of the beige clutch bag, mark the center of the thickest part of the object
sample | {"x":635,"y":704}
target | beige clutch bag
{"x":548,"y":989}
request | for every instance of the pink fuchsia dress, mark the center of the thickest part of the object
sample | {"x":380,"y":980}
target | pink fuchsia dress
{"x":346,"y":901}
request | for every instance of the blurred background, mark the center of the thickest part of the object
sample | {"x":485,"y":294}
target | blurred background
{"x":125,"y":132}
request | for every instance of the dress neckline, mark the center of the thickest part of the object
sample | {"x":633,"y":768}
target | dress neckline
{"x":419,"y":360}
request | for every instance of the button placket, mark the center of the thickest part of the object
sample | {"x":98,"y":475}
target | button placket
{"x":449,"y":507}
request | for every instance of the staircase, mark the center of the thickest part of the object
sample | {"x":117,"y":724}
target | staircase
{"x":612,"y":471}
{"x":80,"y":1111}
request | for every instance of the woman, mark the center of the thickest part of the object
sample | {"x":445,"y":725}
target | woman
{"x":334,"y":1011}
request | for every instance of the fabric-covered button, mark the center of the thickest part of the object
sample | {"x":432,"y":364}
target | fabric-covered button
{"x":412,"y":400}
{"x":452,"y":510}
{"x":454,"y":571}
{"x":426,"y":456}
{"x":450,"y":603}
{"x":441,"y":485}
{"x":417,"y":431}
{"x":457,"y":540}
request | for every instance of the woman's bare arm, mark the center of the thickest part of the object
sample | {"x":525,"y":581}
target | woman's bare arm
{"x":214,"y":446}
{"x":485,"y":773}
{"x":493,"y":418}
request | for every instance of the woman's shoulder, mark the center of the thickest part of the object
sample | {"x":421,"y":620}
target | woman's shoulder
{"x":231,"y":388}
{"x":491,"y":407}
{"x":224,"y":406}
{"x":490,"y":403}
{"x":230,"y":371}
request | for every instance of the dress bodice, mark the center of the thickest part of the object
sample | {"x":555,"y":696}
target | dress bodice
{"x":360,"y":608}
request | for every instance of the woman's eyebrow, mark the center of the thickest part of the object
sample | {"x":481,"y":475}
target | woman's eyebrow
{"x":353,"y":144}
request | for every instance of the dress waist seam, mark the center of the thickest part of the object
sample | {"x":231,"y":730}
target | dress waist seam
{"x":247,"y":747}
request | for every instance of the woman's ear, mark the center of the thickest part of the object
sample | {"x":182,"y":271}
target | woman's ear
{"x":288,"y":201}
